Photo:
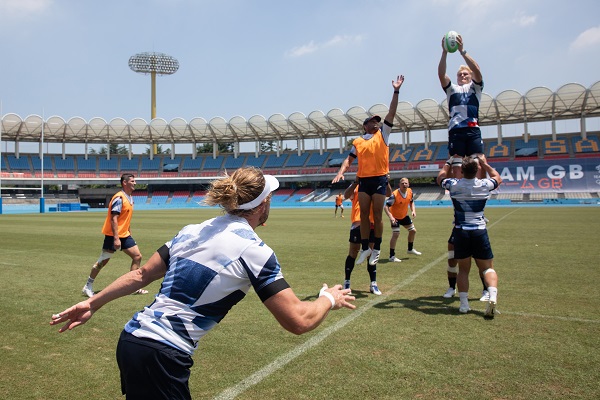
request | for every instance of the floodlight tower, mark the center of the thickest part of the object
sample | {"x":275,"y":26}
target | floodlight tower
{"x":153,"y":64}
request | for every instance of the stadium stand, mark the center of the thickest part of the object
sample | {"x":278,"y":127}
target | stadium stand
{"x":295,"y":160}
{"x":86,"y":168}
{"x":526,"y":149}
{"x":191,"y":166}
{"x":442,"y":154}
{"x":3,"y":164}
{"x":213,"y":163}
{"x":151,"y":165}
{"x":578,"y":195}
{"x":427,"y":193}
{"x":555,"y":147}
{"x":198,"y":196}
{"x":140,"y":197}
{"x":275,"y":162}
{"x":397,"y":155}
{"x":589,"y":145}
{"x":159,"y":197}
{"x":127,"y":165}
{"x":20,"y":164}
{"x":108,"y":168}
{"x":232,"y":163}
{"x":281,"y":195}
{"x":543,"y":195}
{"x":497,"y":150}
{"x":255,"y":161}
{"x":423,"y":154}
{"x":180,"y":197}
{"x":299,"y":194}
{"x":36,"y":161}
{"x":317,"y":160}
{"x":66,"y":164}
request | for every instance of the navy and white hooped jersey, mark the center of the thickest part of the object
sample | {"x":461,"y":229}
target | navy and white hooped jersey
{"x":463,"y":104}
{"x":211,"y":268}
{"x":469,"y":197}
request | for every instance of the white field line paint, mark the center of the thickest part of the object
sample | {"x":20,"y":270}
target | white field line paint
{"x":283,"y":360}
{"x":11,"y":264}
{"x":569,"y":319}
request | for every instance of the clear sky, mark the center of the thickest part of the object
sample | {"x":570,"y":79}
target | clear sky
{"x":70,"y":57}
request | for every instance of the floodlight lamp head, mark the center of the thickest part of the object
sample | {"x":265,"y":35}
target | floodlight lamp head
{"x":158,"y":63}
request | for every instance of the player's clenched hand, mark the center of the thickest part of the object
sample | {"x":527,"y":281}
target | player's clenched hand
{"x":74,"y":316}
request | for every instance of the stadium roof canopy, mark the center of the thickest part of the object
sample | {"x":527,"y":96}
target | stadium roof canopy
{"x":570,"y":101}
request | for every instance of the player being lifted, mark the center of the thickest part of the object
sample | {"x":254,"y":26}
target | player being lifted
{"x":372,"y":152}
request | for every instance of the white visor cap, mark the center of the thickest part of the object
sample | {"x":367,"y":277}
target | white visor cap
{"x":271,"y":184}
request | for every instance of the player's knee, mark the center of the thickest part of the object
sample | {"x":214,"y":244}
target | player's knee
{"x":486,"y":271}
{"x":450,"y":254}
{"x":453,"y":270}
{"x":102,"y":260}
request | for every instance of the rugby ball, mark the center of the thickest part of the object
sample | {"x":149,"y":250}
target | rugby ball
{"x":450,"y":43}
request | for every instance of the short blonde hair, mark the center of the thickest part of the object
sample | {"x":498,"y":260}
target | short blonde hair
{"x":465,"y":67}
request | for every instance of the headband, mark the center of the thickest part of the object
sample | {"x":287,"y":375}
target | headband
{"x":271,"y":184}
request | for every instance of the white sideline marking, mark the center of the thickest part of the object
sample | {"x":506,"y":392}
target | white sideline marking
{"x":569,"y":319}
{"x":233,"y":391}
{"x":11,"y":264}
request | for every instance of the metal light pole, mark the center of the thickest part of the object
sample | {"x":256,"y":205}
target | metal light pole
{"x":153,"y":64}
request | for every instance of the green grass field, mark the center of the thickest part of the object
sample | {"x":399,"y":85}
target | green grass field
{"x":409,"y":343}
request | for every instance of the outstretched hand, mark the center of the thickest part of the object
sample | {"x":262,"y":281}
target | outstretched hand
{"x":341,"y":296}
{"x":399,"y":81}
{"x":74,"y":316}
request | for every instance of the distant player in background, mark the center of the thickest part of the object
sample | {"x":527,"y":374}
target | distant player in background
{"x":464,"y":97}
{"x":396,"y":208}
{"x":339,"y":203}
{"x":372,"y":151}
{"x":469,"y":196}
{"x":117,"y":233}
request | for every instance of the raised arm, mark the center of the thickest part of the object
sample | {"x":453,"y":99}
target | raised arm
{"x":81,"y":312}
{"x":444,"y":78}
{"x":394,"y":103}
{"x":491,"y":171}
{"x":477,"y":77}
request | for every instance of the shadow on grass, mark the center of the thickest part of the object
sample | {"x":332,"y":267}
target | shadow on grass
{"x":431,"y":305}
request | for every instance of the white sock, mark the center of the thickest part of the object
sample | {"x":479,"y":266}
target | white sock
{"x":89,"y":282}
{"x":493,"y":293}
{"x":464,"y":298}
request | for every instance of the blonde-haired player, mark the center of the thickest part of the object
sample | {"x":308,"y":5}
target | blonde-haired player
{"x":464,"y":97}
{"x":396,"y":208}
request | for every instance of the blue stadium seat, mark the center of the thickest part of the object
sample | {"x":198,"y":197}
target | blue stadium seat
{"x":232,"y":163}
{"x":127,"y":164}
{"x":109,"y":165}
{"x":213,"y":163}
{"x":255,"y":161}
{"x":422,"y":154}
{"x":18,"y":164}
{"x":275,"y":162}
{"x":150,"y":165}
{"x":87,"y":165}
{"x":68,"y":164}
{"x":589,"y":145}
{"x":529,"y":149}
{"x":316,"y":160}
{"x":190,"y":163}
{"x":37,"y":163}
{"x":442,"y":153}
{"x":397,"y":155}
{"x":496,"y":149}
{"x":558,"y":146}
{"x":295,"y":160}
